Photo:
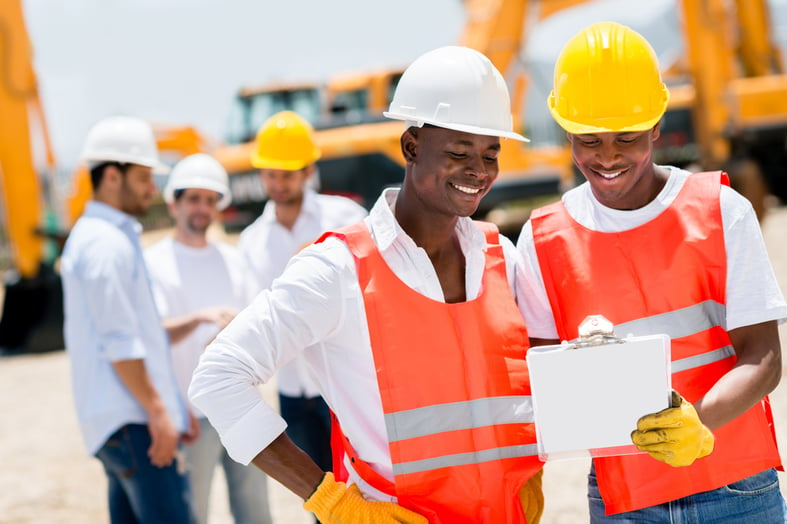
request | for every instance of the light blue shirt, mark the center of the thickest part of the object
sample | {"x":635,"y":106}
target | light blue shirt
{"x":110,"y":316}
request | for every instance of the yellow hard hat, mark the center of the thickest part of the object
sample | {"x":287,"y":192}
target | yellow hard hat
{"x":607,"y":79}
{"x":285,"y":141}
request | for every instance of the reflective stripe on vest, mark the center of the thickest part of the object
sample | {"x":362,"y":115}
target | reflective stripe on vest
{"x":455,"y":391}
{"x":681,"y":323}
{"x":439,"y":418}
{"x":666,"y":276}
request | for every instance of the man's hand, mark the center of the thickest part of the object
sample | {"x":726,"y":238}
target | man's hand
{"x":333,"y":503}
{"x":221,"y":316}
{"x":192,"y":434}
{"x":531,"y":496}
{"x":675,"y":436}
{"x":164,"y":439}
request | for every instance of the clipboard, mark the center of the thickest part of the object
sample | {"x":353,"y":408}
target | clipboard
{"x":589,"y":393}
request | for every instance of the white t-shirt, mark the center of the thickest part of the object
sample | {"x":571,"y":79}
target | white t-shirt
{"x":186,"y":279}
{"x":753,"y":295}
{"x":268,"y":246}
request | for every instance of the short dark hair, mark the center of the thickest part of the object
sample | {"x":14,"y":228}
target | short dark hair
{"x":97,"y":172}
{"x":178,"y":193}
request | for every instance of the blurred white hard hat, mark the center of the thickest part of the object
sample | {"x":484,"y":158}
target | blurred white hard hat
{"x":122,"y":139}
{"x":199,"y":171}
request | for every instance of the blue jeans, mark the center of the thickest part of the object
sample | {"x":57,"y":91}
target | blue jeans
{"x":756,"y":499}
{"x":247,"y":486}
{"x":139,"y":492}
{"x":309,"y":426}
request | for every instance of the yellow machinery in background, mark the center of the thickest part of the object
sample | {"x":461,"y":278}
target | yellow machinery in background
{"x":728,"y":110}
{"x":32,"y":305}
{"x":360,"y":149}
{"x":728,"y":107}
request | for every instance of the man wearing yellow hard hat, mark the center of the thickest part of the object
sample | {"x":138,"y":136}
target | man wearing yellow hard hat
{"x":656,"y":249}
{"x":294,"y":216}
{"x":410,"y":324}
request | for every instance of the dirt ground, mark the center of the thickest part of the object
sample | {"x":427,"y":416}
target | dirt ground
{"x":46,"y":477}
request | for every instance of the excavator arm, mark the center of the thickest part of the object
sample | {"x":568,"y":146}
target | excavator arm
{"x":32,"y":304}
{"x":20,"y":107}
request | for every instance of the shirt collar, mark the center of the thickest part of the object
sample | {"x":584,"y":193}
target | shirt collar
{"x":386,"y":229}
{"x":112,"y":215}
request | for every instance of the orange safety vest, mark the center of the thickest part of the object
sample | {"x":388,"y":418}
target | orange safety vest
{"x":455,"y":392}
{"x":666,"y":276}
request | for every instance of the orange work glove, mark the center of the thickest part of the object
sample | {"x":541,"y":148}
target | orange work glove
{"x":675,"y":436}
{"x":333,"y":503}
{"x":531,"y":496}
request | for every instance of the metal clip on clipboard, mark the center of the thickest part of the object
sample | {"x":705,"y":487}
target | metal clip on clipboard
{"x":587,"y":402}
{"x":595,"y":330}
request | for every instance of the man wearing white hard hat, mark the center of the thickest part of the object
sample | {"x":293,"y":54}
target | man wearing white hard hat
{"x":199,"y":285}
{"x":130,"y":411}
{"x":409,"y":322}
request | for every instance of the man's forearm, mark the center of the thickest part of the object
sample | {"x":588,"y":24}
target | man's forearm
{"x":755,"y":374}
{"x":285,"y":462}
{"x":136,"y":379}
{"x":180,"y":327}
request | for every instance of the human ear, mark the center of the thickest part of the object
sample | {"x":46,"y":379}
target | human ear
{"x":409,"y":142}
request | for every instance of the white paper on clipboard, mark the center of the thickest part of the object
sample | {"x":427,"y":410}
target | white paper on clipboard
{"x":587,"y":401}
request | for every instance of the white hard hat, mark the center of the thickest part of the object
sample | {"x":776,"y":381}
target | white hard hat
{"x":199,"y":171}
{"x":456,"y":88}
{"x":122,"y":139}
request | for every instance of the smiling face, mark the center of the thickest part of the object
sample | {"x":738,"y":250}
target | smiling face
{"x":449,"y":171}
{"x":618,"y":166}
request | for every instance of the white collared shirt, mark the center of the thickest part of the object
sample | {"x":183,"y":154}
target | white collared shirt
{"x":110,"y":316}
{"x":268,"y":246}
{"x":316,"y":310}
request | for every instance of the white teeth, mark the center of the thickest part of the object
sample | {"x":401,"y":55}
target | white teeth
{"x":468,"y":190}
{"x":609,"y":176}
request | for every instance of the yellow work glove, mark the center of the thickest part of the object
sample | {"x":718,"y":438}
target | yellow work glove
{"x":532,"y":498}
{"x":675,"y":436}
{"x":333,"y":503}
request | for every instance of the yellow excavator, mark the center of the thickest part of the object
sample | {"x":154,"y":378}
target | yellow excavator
{"x":32,"y":304}
{"x":728,"y":107}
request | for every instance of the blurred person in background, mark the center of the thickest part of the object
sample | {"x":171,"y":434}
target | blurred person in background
{"x":199,"y":286}
{"x":295,"y":215}
{"x":130,"y":411}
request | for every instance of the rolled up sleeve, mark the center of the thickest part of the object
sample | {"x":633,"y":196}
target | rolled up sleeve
{"x":301,"y":309}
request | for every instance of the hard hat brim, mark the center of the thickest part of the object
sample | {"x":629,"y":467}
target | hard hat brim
{"x":475,"y":130}
{"x":221,"y":205}
{"x":609,"y":125}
